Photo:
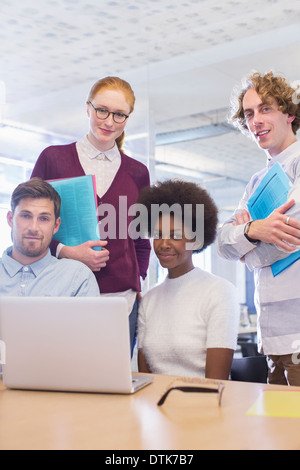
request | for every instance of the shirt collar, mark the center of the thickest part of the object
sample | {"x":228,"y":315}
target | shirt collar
{"x":286,"y":153}
{"x":13,"y":267}
{"x":93,"y":152}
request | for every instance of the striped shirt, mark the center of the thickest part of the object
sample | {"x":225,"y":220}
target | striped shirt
{"x":277,"y":299}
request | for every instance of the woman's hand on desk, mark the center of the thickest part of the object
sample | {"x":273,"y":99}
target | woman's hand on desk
{"x":94,"y":259}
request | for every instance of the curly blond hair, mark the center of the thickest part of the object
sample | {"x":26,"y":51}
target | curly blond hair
{"x":268,"y":86}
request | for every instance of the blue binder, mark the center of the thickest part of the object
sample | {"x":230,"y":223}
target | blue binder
{"x":270,"y":194}
{"x":79,"y":221}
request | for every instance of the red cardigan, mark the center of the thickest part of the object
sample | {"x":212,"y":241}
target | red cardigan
{"x":129,"y":259}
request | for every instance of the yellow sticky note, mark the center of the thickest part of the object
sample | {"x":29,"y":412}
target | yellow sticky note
{"x":277,"y":403}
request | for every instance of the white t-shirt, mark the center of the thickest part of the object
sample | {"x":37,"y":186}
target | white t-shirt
{"x":182,"y":317}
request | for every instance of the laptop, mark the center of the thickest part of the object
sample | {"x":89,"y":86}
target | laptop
{"x":75,"y":344}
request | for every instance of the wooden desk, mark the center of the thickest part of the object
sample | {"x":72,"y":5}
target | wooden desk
{"x":51,"y":420}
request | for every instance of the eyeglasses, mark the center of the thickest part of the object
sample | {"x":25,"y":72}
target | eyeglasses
{"x":210,"y":388}
{"x":101,"y":113}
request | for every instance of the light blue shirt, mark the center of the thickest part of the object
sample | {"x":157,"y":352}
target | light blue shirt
{"x":277,"y":299}
{"x":47,"y":277}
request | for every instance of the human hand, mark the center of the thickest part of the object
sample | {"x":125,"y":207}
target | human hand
{"x":139,"y":296}
{"x":278,"y":229}
{"x":241,"y":218}
{"x":94,"y":259}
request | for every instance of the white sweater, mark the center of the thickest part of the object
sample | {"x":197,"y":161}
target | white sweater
{"x":182,"y":317}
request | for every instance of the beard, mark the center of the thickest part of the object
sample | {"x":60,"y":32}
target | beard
{"x":32,"y":249}
{"x":29,"y":245}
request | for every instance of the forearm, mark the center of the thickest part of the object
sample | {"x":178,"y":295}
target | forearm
{"x":218,"y":363}
{"x":142,"y":363}
{"x":94,"y":259}
{"x":276,"y":239}
{"x":264,"y":254}
{"x":231,"y":242}
{"x":278,"y":235}
{"x":142,"y":249}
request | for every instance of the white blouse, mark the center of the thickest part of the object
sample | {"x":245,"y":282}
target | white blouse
{"x":104,"y":165}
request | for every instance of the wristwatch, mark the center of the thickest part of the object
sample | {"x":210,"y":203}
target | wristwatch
{"x":246,"y":230}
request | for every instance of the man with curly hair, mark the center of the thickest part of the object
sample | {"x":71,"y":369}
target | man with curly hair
{"x":267,"y":109}
{"x":188,"y":324}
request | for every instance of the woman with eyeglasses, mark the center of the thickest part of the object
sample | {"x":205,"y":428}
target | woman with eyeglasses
{"x":121,"y":262}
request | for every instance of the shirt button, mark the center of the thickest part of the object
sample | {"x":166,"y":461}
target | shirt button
{"x":25,"y":268}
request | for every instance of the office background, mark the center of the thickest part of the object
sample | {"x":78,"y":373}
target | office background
{"x":182,"y":58}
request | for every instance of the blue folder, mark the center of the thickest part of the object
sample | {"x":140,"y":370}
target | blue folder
{"x":270,"y":194}
{"x":79,"y":221}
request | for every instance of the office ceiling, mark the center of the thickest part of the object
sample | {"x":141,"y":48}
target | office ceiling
{"x":182,"y":58}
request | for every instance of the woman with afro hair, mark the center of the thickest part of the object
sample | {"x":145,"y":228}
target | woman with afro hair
{"x":188,"y":324}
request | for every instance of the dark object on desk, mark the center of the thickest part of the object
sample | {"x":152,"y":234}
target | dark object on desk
{"x":219,"y":389}
{"x":250,"y":369}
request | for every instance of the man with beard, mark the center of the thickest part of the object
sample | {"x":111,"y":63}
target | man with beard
{"x":27,"y":268}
